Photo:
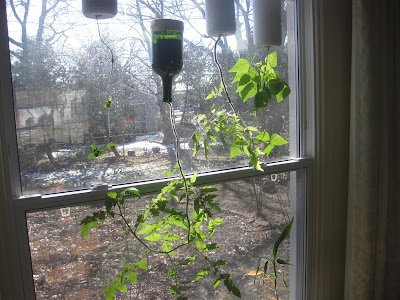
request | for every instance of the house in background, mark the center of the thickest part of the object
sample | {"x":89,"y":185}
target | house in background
{"x":44,"y":116}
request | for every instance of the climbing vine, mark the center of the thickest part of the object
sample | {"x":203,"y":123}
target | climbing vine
{"x":164,"y":229}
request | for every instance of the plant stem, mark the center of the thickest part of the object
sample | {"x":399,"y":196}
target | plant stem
{"x":228,"y":98}
{"x":222,"y":77}
{"x":178,"y":161}
{"x":141,"y":241}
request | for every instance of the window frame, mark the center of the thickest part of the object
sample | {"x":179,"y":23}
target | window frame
{"x":304,"y":133}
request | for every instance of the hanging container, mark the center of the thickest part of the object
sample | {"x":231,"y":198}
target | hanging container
{"x":267,"y":23}
{"x":220,"y":17}
{"x":167,"y":53}
{"x":99,"y":9}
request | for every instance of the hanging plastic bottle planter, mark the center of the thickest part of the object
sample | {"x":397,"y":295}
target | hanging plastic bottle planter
{"x":220,"y":17}
{"x":99,"y":9}
{"x":267,"y":23}
{"x":167,"y":53}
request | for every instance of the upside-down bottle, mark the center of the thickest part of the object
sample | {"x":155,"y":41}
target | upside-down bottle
{"x":167,"y":57}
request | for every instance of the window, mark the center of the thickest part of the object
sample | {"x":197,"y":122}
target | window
{"x":62,"y":75}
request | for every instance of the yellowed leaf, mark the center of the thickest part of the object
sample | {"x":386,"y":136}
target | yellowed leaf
{"x":253,"y":273}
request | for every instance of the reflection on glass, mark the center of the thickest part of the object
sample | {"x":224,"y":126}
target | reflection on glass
{"x":62,"y":77}
{"x":254,"y":211}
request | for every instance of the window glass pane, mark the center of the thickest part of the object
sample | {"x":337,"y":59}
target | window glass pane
{"x":255,"y":212}
{"x":63,"y":75}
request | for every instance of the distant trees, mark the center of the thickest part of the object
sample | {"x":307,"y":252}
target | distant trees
{"x":43,"y":55}
{"x":34,"y":60}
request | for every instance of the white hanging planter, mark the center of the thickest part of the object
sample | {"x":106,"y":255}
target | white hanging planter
{"x":99,"y":9}
{"x":220,"y":17}
{"x":267,"y":23}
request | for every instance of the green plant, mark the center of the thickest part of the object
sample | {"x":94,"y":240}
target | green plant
{"x":271,"y":278}
{"x":164,"y":229}
{"x":258,"y":80}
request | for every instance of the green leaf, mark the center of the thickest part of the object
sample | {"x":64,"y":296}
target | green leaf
{"x":277,"y":140}
{"x":244,"y":80}
{"x":201,"y":245}
{"x":235,"y":151}
{"x":216,"y":283}
{"x":232,"y":288}
{"x":211,"y":95}
{"x":254,"y":74}
{"x":85,"y":228}
{"x":111,"y":146}
{"x":120,"y":286}
{"x":248,"y":91}
{"x":218,"y":221}
{"x":201,"y":117}
{"x":171,"y":273}
{"x":283,"y":93}
{"x":261,"y":99}
{"x":167,"y":247}
{"x":172,"y":237}
{"x":258,"y":152}
{"x":107,"y":104}
{"x":177,"y":222}
{"x":142,"y":264}
{"x":147,"y":229}
{"x":212,"y":246}
{"x":241,"y":66}
{"x":263,"y":136}
{"x":238,"y":76}
{"x":174,"y":289}
{"x":132,"y":277}
{"x":188,"y":260}
{"x":276,"y":86}
{"x":252,"y":128}
{"x":91,"y":155}
{"x":272,"y":59}
{"x":221,"y":262}
{"x":283,"y":262}
{"x":283,"y":235}
{"x":112,"y":195}
{"x":208,"y":189}
{"x":286,"y":285}
{"x":202,"y":273}
{"x":268,"y":149}
{"x":206,"y":148}
{"x":153,"y":237}
{"x":193,"y":178}
{"x":266,"y":267}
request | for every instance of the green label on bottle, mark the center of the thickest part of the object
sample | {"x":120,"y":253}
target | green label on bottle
{"x":166,"y":35}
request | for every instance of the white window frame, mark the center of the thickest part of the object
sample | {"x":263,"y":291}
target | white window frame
{"x":304,"y":133}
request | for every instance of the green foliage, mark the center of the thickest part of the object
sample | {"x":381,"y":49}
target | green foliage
{"x":272,"y":277}
{"x":107,"y":104}
{"x":96,"y":152}
{"x":164,"y":229}
{"x":259,"y":80}
{"x":250,"y":140}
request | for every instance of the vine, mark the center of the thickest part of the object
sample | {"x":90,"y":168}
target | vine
{"x":164,"y":229}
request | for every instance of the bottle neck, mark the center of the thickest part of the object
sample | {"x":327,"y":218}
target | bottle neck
{"x":167,"y":88}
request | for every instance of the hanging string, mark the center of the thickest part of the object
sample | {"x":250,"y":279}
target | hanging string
{"x":110,"y":78}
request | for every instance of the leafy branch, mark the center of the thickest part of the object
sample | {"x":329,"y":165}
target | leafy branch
{"x":161,"y":229}
{"x":258,"y":80}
